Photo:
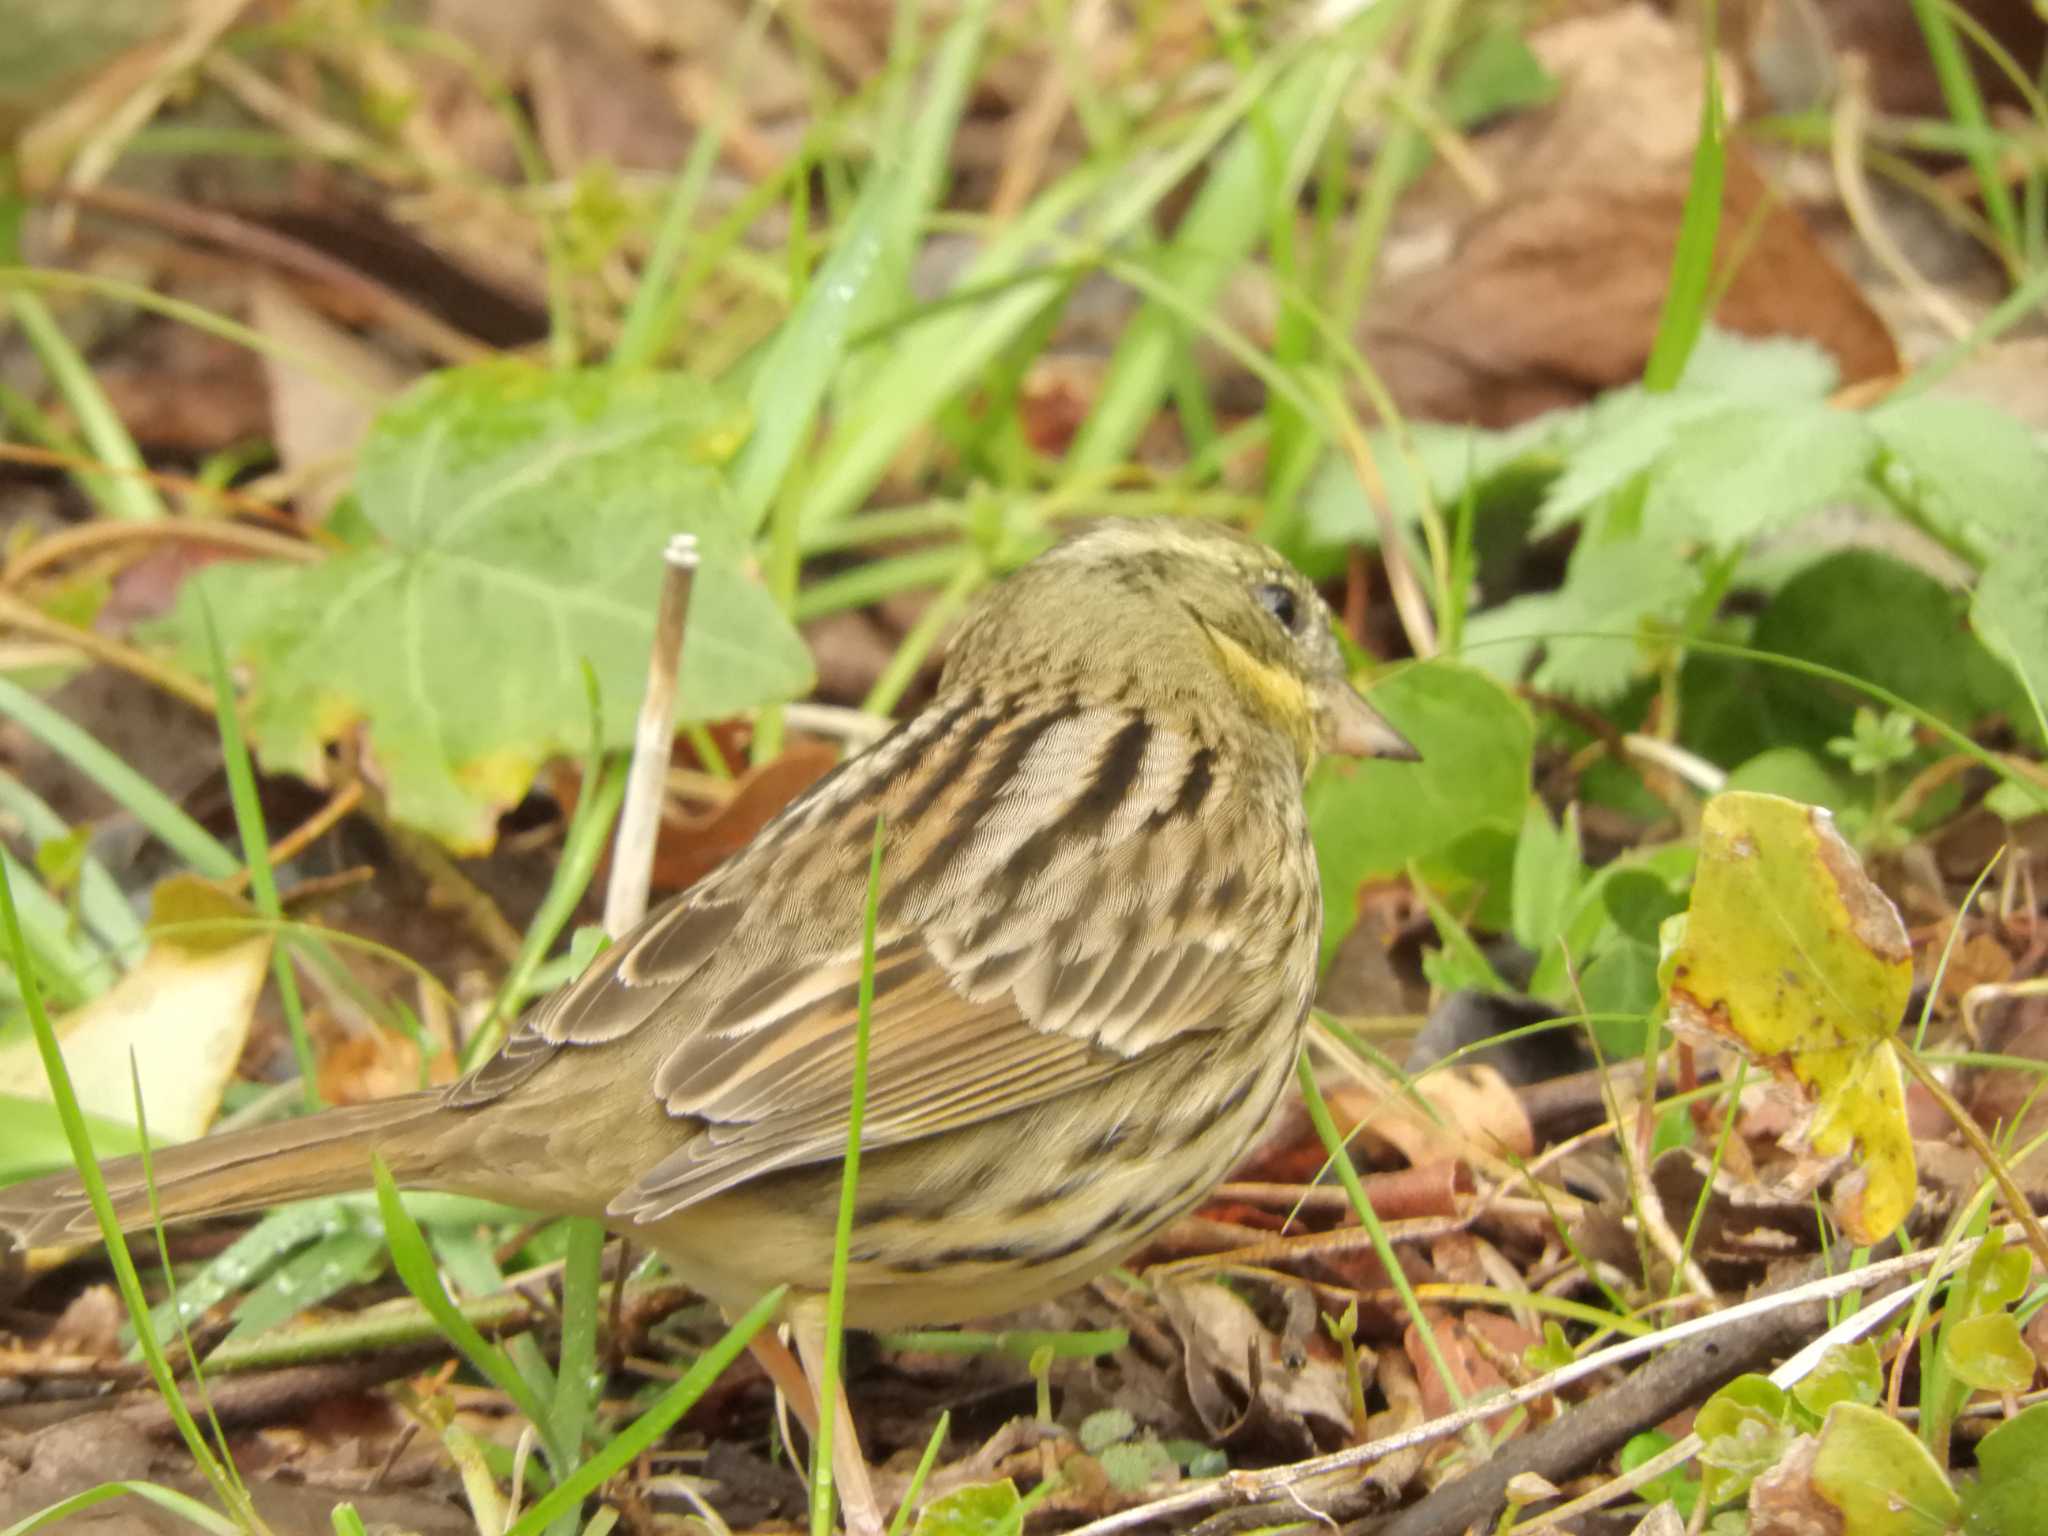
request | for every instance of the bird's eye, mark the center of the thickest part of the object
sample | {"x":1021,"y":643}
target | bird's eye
{"x":1280,"y":602}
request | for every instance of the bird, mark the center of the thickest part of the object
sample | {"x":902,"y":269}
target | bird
{"x":1097,"y":923}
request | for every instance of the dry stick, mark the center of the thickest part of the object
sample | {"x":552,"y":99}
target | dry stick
{"x":65,"y":543}
{"x":1798,"y":1368}
{"x":307,"y":832}
{"x":625,"y":896}
{"x":1239,"y":1487}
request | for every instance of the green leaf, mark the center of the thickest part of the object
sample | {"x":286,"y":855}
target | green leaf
{"x":1615,"y":591}
{"x":307,"y":1279}
{"x":1745,"y":1430}
{"x":1847,"y":1373}
{"x":1105,"y":1428}
{"x":1988,"y":1353}
{"x":1496,"y":72}
{"x":1750,"y":468}
{"x":1790,"y":952}
{"x":1135,"y":1464}
{"x":1371,"y":820}
{"x":1875,"y":618}
{"x":1793,"y":773}
{"x":980,"y":1509}
{"x":1548,"y":876}
{"x":524,"y":516}
{"x":1880,"y":1477}
{"x":2011,"y":1488}
{"x":1976,"y":473}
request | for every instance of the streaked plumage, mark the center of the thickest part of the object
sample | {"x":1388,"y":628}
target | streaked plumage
{"x":1098,"y":931}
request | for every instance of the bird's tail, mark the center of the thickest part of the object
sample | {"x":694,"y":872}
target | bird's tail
{"x":324,"y":1154}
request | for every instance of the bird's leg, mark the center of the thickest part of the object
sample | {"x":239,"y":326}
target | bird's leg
{"x":773,"y":1356}
{"x":849,"y":1466}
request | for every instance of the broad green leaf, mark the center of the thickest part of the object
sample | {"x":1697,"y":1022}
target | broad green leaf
{"x":1548,"y":876}
{"x":1371,"y":820}
{"x":1497,"y":72}
{"x":1616,"y":611}
{"x":1784,"y":370}
{"x":522,"y":517}
{"x":979,"y":1509}
{"x":1751,"y":468}
{"x":2011,"y":1490}
{"x":1872,"y":1469}
{"x":1790,"y":952}
{"x":1744,"y":1429}
{"x":1988,"y":1353}
{"x":1977,"y":473}
{"x":1847,"y":1373}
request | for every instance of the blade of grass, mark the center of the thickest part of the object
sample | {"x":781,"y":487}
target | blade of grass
{"x":126,"y":1279}
{"x":136,"y":795}
{"x":620,"y":1451}
{"x":1401,"y":151}
{"x":1382,"y":1247}
{"x":849,"y":1182}
{"x":163,"y":1253}
{"x":183,"y":1505}
{"x":1218,"y":234}
{"x":100,"y":900}
{"x":129,"y":496}
{"x":414,"y":1261}
{"x":1965,"y":102}
{"x":576,"y":1380}
{"x":925,"y":1463}
{"x":1685,"y":311}
{"x":69,"y":964}
{"x":946,"y":352}
{"x":248,"y":809}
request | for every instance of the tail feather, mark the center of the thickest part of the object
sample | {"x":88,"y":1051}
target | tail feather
{"x":324,"y":1154}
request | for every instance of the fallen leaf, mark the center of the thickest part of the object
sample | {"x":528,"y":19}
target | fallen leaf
{"x":1791,"y":953}
{"x":183,"y":1014}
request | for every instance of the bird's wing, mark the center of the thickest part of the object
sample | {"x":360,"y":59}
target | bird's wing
{"x":1052,"y":907}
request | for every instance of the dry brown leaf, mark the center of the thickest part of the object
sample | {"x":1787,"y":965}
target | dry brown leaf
{"x":1553,"y":293}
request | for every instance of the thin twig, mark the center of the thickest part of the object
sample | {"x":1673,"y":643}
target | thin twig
{"x":625,"y":896}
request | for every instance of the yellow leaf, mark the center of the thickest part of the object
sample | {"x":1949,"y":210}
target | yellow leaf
{"x":1791,"y":953}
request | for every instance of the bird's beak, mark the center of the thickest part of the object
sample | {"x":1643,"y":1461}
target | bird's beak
{"x":1351,"y":727}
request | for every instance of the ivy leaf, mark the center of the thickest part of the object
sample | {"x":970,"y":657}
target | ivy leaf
{"x":519,"y":518}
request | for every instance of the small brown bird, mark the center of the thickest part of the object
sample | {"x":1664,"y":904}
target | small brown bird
{"x":1099,"y":918}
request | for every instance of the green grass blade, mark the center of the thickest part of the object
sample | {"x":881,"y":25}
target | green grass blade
{"x":1217,"y":234}
{"x":414,"y":1261}
{"x":1382,"y":1247}
{"x":140,"y":798}
{"x":576,"y":1382}
{"x":1686,"y":300}
{"x":100,"y":899}
{"x":849,"y":1183}
{"x":1965,"y":102}
{"x":943,"y":354}
{"x":183,"y":1505}
{"x":125,"y":1276}
{"x":643,"y":1432}
{"x":248,"y":808}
